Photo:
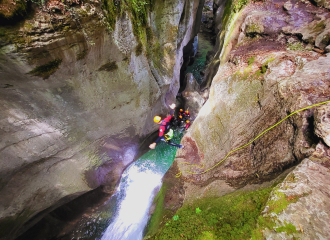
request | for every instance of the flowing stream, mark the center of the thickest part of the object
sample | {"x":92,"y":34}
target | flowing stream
{"x":204,"y":45}
{"x":125,"y":215}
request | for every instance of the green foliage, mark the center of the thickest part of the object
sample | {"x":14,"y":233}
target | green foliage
{"x":233,"y":216}
{"x":137,"y":8}
{"x":47,"y":69}
{"x":198,"y":210}
{"x":176,"y":217}
{"x":251,"y":60}
{"x":296,"y":46}
{"x":288,"y":228}
{"x":239,"y":4}
{"x":227,"y":12}
{"x":109,"y":67}
{"x":113,"y":8}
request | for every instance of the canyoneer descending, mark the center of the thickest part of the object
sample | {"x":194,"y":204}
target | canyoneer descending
{"x":165,"y":131}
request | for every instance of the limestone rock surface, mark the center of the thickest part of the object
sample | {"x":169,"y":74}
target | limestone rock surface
{"x":77,"y":96}
{"x":264,"y":76}
{"x":307,"y":191}
{"x":192,"y":98}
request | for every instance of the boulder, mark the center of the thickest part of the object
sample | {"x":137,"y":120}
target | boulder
{"x":299,"y":207}
{"x":322,"y":123}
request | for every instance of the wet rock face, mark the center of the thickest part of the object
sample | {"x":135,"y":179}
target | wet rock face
{"x":264,"y":75}
{"x":322,"y":123}
{"x":193,"y":101}
{"x":305,"y":195}
{"x":77,"y":95}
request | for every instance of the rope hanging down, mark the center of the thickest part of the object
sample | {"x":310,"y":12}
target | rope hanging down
{"x":201,"y":167}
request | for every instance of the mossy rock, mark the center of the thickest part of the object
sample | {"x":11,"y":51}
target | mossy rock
{"x":296,"y":46}
{"x":47,"y":69}
{"x":319,"y":27}
{"x":233,"y":216}
{"x":137,"y":9}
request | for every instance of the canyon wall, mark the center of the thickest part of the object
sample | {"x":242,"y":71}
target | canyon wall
{"x":80,"y":84}
{"x":274,"y":60}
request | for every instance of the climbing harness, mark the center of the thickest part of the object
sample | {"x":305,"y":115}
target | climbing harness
{"x":201,"y":167}
{"x":168,"y":136}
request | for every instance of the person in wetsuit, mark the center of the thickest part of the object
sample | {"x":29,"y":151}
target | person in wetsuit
{"x":164,"y":129}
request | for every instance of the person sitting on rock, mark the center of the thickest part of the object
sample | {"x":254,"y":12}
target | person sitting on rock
{"x":164,"y":129}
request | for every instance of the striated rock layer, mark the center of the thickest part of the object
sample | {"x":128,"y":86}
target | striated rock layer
{"x":77,"y":95}
{"x":273,"y":61}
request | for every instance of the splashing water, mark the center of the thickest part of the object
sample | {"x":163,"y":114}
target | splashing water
{"x":125,"y":215}
{"x":136,"y":192}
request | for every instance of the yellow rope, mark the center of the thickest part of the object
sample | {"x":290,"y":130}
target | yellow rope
{"x":179,"y":174}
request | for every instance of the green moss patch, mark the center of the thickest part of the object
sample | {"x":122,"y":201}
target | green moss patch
{"x":251,"y":60}
{"x":47,"y":69}
{"x":296,"y":46}
{"x":281,"y":201}
{"x":289,"y":228}
{"x":156,"y":218}
{"x":264,"y":66}
{"x":109,"y":67}
{"x":233,"y":216}
{"x":138,"y":10}
{"x":239,"y":4}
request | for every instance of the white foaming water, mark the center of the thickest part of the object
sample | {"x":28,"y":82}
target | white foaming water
{"x":135,"y":197}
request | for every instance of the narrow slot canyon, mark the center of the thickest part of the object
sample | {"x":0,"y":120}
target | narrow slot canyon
{"x":243,"y":154}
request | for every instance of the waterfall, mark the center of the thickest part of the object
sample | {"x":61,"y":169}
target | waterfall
{"x":138,"y":186}
{"x":136,"y":192}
